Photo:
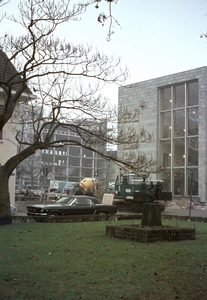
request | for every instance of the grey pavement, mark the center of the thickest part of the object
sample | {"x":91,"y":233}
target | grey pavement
{"x":195,"y":212}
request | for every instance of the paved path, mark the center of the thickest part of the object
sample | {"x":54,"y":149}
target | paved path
{"x":195,"y":212}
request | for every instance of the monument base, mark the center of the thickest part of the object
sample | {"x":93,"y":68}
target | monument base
{"x":151,"y":214}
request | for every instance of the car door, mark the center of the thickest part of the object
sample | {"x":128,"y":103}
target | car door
{"x":83,"y":206}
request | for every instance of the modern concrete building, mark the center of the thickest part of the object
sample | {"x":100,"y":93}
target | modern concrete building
{"x":73,"y":163}
{"x":173,"y":109}
{"x":69,"y":163}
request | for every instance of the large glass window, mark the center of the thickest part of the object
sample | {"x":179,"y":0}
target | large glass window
{"x":179,"y":152}
{"x":87,"y":153}
{"x":166,"y":125}
{"x":166,"y":153}
{"x":74,"y":161}
{"x":179,"y":181}
{"x":166,"y":99}
{"x":179,"y":96}
{"x":193,"y":121}
{"x":74,"y":172}
{"x":193,"y":151}
{"x":166,"y":177}
{"x":87,"y":172}
{"x":193,"y":93}
{"x":87,"y":162}
{"x":74,"y":151}
{"x":179,"y":137}
{"x":193,"y":181}
{"x":179,"y":123}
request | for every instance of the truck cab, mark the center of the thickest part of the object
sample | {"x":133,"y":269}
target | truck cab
{"x":132,"y":192}
{"x":128,"y":184}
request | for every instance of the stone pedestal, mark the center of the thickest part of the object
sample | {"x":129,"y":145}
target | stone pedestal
{"x":151,"y":214}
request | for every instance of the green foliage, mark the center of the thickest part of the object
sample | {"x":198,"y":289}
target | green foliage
{"x":77,"y":261}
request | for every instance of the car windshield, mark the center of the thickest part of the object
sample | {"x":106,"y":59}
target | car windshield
{"x":66,"y":200}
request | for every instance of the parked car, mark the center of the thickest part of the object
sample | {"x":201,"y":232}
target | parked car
{"x":72,"y":205}
{"x":13,"y":209}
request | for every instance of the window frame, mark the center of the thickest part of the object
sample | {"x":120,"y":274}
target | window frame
{"x":172,"y":168}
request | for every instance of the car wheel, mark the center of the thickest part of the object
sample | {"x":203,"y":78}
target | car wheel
{"x":54,"y":214}
{"x":102,"y":213}
{"x":51,"y":217}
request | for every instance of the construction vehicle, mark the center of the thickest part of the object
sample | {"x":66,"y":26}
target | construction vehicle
{"x":62,"y":186}
{"x":131,"y":193}
{"x":91,"y":183}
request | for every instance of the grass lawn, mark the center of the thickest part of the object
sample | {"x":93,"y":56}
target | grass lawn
{"x":77,"y":261}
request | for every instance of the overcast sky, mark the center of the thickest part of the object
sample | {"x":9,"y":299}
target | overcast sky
{"x":155,"y":37}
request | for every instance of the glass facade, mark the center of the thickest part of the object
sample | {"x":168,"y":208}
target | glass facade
{"x":166,"y":153}
{"x":73,"y":162}
{"x":179,"y":152}
{"x":179,"y":122}
{"x":179,"y":137}
{"x":166,"y":125}
{"x":166,"y":176}
{"x":179,"y":96}
{"x":166,"y":99}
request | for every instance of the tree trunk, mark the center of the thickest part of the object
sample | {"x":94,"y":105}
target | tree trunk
{"x":151,"y":214}
{"x":5,"y":173}
{"x":5,"y":210}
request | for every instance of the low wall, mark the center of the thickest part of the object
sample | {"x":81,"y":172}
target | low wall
{"x":75,"y":218}
{"x":185,"y":218}
{"x":137,"y":233}
{"x":117,"y":217}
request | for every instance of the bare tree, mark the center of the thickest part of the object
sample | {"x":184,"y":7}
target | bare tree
{"x":31,"y":168}
{"x":102,"y":17}
{"x":3,"y":2}
{"x":67,"y":81}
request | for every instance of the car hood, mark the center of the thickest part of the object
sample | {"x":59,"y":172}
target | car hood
{"x":46,"y":205}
